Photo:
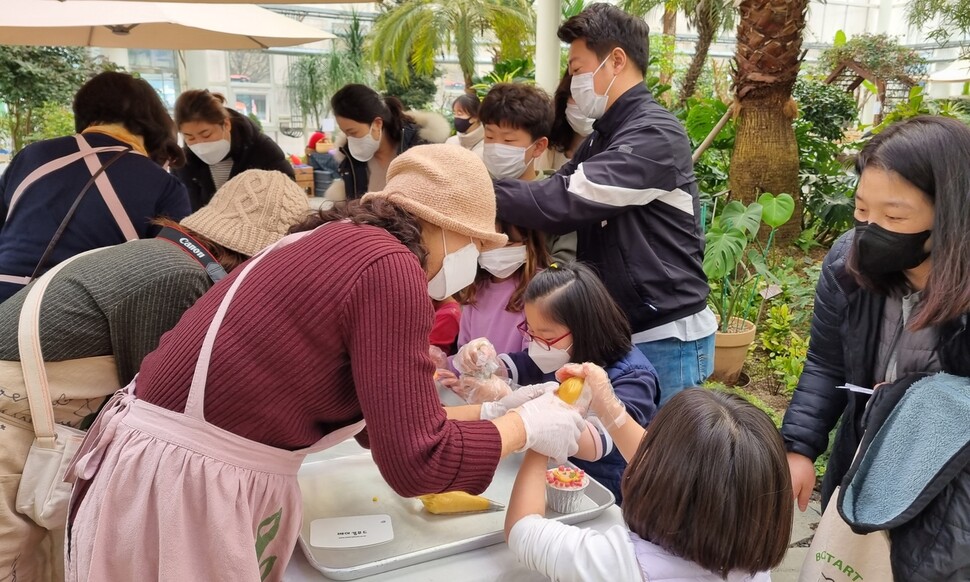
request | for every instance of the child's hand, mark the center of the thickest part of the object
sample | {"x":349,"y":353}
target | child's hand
{"x":475,"y":391}
{"x":438,"y":356}
{"x":605,"y":405}
{"x":446,"y":378}
{"x":477,"y":358}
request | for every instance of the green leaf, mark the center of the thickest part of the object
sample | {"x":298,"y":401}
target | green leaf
{"x":777,"y":209}
{"x":840,"y":38}
{"x":266,"y":532}
{"x":744,"y":218}
{"x":702,"y":118}
{"x":723,"y":251}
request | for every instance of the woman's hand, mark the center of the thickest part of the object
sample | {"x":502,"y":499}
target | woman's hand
{"x":516,"y":399}
{"x":802,"y":478}
{"x":552,"y":427}
{"x":476,"y":391}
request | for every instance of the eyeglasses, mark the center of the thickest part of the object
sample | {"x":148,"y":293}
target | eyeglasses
{"x":542,"y":343}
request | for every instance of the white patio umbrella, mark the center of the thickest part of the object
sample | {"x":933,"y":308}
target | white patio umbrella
{"x":149,"y":25}
{"x":957,"y":72}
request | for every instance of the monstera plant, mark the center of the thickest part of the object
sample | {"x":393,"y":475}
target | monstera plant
{"x":736,"y":263}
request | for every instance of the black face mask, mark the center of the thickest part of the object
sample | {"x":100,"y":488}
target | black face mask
{"x":462,"y":125}
{"x":882,"y":251}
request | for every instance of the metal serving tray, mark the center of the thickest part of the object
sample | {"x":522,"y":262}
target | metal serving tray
{"x":348,"y":485}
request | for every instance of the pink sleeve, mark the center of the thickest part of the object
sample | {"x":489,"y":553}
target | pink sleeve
{"x":387,"y":322}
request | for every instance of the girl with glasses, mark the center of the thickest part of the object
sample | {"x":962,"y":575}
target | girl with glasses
{"x":570,"y":317}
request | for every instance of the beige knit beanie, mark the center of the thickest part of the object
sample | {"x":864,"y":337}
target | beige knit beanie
{"x":250,"y":212}
{"x":447,"y":186}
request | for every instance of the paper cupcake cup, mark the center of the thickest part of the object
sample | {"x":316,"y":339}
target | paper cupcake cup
{"x":566,"y":500}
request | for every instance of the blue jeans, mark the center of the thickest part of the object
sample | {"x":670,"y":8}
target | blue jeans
{"x":680,"y":364}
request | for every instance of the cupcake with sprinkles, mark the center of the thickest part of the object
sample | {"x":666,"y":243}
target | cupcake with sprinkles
{"x":565,"y":487}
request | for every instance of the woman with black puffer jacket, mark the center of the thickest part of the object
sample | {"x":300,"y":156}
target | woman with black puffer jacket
{"x":220,"y":144}
{"x":892,"y":302}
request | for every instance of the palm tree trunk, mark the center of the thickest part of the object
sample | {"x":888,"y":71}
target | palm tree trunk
{"x":670,"y":19}
{"x":767,"y":61}
{"x":705,"y":31}
{"x":765,"y":155}
{"x":670,"y":34}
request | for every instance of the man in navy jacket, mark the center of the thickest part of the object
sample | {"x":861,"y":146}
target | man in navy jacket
{"x":630,"y":194}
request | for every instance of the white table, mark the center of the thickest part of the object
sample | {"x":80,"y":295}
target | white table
{"x":490,"y":564}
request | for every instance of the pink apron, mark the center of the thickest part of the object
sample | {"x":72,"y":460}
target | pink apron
{"x":166,"y":496}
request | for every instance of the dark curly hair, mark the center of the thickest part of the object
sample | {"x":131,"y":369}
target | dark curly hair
{"x":113,"y":97}
{"x":379,"y":212}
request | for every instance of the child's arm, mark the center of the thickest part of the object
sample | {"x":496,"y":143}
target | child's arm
{"x":562,"y":552}
{"x":595,"y":442}
{"x":529,"y":490}
{"x":624,"y":430}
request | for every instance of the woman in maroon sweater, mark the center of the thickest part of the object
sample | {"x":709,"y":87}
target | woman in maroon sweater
{"x":322,"y":333}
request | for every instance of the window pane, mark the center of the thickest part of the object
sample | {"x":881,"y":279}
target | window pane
{"x":140,"y":58}
{"x":247,"y":103}
{"x":249,"y":67}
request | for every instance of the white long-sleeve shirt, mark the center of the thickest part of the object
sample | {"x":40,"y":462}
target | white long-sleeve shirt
{"x":568,"y":553}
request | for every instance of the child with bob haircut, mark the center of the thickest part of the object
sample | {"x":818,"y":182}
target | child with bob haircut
{"x":569,"y":317}
{"x":708,"y":496}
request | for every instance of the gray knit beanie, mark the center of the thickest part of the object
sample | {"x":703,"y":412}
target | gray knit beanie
{"x":250,"y":212}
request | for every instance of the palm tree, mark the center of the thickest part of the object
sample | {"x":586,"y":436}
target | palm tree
{"x":707,"y":16}
{"x":768,"y":57}
{"x":415,"y":32}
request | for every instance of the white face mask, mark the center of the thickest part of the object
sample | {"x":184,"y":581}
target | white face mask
{"x":458,"y":271}
{"x":580,"y":123}
{"x":581,"y":88}
{"x":364,"y":148}
{"x":548,"y":360}
{"x":505,"y":161}
{"x":504,"y":261}
{"x":212,"y":152}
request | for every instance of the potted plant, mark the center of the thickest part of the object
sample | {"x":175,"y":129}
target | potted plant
{"x":736,"y":271}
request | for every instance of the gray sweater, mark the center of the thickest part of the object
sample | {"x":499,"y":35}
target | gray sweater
{"x":118,"y":302}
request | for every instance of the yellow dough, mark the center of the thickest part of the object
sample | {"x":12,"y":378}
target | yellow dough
{"x":570,"y":389}
{"x":454,"y":502}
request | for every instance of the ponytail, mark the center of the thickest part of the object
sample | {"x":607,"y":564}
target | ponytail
{"x":362,"y":104}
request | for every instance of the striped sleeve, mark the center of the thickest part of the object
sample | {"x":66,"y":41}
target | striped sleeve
{"x":600,"y":188}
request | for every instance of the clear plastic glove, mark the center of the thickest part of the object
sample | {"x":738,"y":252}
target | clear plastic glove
{"x":516,"y":399}
{"x":477,"y":358}
{"x":438,"y":356}
{"x":604,"y":403}
{"x":445,"y":379}
{"x":552,"y":427}
{"x":476,"y":391}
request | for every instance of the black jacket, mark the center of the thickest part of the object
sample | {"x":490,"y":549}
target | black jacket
{"x":630,"y":194}
{"x":919,"y":492}
{"x":846,"y":325}
{"x":250,"y":149}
